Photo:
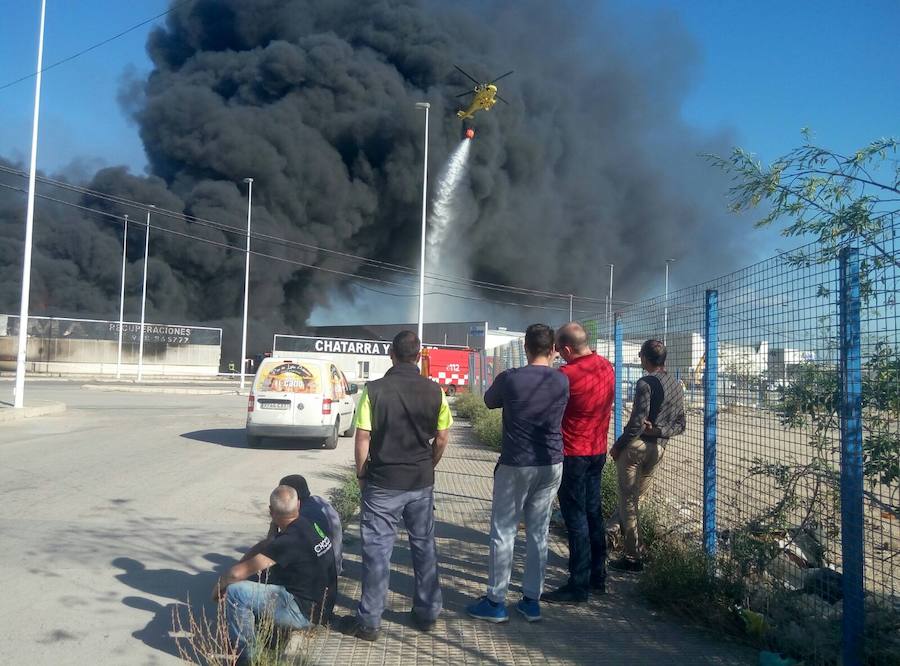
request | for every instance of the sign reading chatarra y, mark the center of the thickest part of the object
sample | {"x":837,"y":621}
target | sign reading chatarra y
{"x":301,"y":343}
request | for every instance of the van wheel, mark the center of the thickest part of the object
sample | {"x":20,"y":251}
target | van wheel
{"x":351,"y":431}
{"x":331,"y":442}
{"x":253,"y":441}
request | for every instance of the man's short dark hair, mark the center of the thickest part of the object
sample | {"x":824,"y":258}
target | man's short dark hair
{"x":298,"y":483}
{"x":539,"y":339}
{"x":406,"y":346}
{"x":655,"y":352}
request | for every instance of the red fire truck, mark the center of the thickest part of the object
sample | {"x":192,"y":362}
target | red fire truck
{"x":450,"y":367}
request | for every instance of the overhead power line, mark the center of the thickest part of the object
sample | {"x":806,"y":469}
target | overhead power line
{"x":138,"y":222}
{"x":92,"y":47}
{"x":277,"y":240}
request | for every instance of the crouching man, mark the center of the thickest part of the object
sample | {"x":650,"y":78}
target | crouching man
{"x":301,"y":579}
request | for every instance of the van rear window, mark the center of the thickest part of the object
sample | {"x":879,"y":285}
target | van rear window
{"x":289,"y":378}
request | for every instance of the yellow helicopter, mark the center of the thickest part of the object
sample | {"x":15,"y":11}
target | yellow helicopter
{"x":485,"y":95}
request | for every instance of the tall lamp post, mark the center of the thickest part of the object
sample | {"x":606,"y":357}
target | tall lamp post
{"x":609,"y":312}
{"x":426,"y":106}
{"x":140,"y":376}
{"x":122,"y":302}
{"x":19,"y":391}
{"x":666,"y":313}
{"x":249,"y":182}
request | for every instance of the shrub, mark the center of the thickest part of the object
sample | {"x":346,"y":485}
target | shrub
{"x":346,"y":498}
{"x":681,"y":577}
{"x":609,"y":498}
{"x":469,"y":405}
{"x":488,"y":426}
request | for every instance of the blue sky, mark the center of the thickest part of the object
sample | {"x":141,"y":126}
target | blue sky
{"x":765,"y":69}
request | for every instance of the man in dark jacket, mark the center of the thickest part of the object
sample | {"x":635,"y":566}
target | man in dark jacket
{"x":402,"y":430}
{"x":527,"y":476}
{"x":657,"y":415}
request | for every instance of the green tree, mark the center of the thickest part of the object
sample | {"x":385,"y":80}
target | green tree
{"x":816,"y":191}
{"x":837,"y":200}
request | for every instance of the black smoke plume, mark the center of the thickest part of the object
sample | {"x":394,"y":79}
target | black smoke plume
{"x":590,"y":163}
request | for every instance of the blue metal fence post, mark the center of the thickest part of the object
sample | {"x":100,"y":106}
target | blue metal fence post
{"x":852,"y":623}
{"x":619,"y":378}
{"x":710,"y":415}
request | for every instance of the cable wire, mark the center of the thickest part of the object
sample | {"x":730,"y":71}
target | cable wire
{"x":373,"y":263}
{"x":96,"y":46}
{"x":295,"y":262}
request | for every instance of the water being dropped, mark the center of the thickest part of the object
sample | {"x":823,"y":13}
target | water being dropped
{"x":443,"y":207}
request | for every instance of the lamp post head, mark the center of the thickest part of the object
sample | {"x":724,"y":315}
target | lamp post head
{"x":423,"y":105}
{"x":248,"y":180}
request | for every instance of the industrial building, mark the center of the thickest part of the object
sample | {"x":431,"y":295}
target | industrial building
{"x":58,"y":345}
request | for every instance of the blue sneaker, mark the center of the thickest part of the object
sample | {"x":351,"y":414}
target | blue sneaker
{"x":530,"y":609}
{"x":487,"y":610}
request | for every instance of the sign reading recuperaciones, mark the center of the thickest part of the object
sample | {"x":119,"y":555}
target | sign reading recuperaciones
{"x":86,"y":329}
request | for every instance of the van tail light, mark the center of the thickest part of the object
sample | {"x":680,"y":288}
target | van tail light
{"x":251,"y":403}
{"x":326,"y":406}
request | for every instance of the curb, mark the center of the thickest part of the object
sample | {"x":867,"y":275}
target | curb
{"x":159,"y":389}
{"x":41,"y":408}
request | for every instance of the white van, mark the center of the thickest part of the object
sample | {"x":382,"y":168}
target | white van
{"x":300,"y":398}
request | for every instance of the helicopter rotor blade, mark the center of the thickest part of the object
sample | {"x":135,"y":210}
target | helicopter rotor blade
{"x":467,"y":75}
{"x":501,"y":99}
{"x":503,"y":76}
{"x":463,"y":94}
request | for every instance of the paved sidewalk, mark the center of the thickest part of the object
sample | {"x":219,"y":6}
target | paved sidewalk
{"x":615,"y":629}
{"x":32,"y":409}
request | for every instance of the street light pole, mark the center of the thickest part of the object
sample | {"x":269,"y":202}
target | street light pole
{"x":571,"y":308}
{"x":666,"y":315}
{"x":426,"y":106}
{"x":144,"y":298}
{"x":19,"y":391}
{"x":609,"y":313}
{"x":122,"y":302}
{"x":249,"y":182}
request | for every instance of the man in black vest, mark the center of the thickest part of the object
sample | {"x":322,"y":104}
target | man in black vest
{"x":402,"y":430}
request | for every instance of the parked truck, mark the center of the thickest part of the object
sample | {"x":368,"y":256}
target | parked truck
{"x":449,"y":367}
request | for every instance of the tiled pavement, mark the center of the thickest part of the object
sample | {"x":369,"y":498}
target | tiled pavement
{"x":614,"y":629}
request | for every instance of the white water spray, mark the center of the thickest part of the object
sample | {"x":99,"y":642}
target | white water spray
{"x":443,"y":207}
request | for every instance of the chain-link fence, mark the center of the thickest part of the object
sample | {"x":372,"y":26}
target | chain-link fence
{"x":790,"y":464}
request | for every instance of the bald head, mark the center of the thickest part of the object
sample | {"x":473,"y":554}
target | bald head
{"x":283,"y":504}
{"x":572,"y":341}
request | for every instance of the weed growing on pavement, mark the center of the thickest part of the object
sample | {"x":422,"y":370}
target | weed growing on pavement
{"x":206,"y":642}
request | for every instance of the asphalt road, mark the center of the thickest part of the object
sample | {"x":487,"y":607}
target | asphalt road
{"x":121,"y":507}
